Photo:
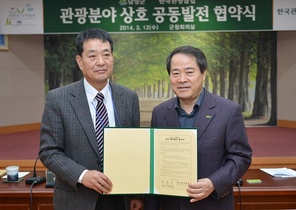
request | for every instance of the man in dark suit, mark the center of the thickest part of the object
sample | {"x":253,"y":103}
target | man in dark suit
{"x":68,"y":145}
{"x":224,"y":153}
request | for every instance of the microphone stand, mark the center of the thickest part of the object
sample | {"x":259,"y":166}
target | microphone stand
{"x":35,"y":179}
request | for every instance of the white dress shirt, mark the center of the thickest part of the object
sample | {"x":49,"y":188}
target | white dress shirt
{"x":91,"y":93}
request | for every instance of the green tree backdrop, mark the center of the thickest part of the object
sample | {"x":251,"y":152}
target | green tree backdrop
{"x":241,"y":65}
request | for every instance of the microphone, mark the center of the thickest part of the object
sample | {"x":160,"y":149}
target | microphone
{"x":35,"y":179}
{"x":239,"y":182}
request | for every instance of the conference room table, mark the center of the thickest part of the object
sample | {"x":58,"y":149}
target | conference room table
{"x":22,"y":196}
{"x":272,"y":193}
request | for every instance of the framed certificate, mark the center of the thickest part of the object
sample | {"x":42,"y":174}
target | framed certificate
{"x":150,"y":160}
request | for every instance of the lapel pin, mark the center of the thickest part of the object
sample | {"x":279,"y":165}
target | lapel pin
{"x":208,"y":116}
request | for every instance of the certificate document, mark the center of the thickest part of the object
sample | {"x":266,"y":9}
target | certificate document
{"x":150,"y":160}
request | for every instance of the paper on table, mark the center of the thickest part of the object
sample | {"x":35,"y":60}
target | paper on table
{"x":21,"y":175}
{"x":280,"y":172}
{"x":2,"y":173}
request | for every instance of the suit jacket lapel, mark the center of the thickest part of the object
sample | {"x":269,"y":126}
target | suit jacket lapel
{"x":171,"y":116}
{"x":206,"y":114}
{"x":204,"y":117}
{"x":81,"y":109}
{"x":117,"y":98}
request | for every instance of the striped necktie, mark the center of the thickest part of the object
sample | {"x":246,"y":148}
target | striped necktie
{"x":101,"y":122}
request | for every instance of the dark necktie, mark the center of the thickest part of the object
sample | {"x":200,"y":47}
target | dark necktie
{"x":101,"y":122}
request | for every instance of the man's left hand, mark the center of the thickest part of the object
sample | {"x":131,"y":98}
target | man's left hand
{"x":200,"y":190}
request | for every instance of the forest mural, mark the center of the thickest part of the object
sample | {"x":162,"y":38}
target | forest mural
{"x":241,"y":66}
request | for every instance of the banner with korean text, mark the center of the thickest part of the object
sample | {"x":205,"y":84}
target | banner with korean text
{"x":21,"y":17}
{"x":157,"y":16}
{"x":284,"y":15}
{"x":141,"y":16}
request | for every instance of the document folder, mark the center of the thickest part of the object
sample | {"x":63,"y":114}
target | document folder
{"x":150,"y":160}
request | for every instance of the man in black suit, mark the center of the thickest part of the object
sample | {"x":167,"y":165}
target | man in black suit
{"x":224,"y":153}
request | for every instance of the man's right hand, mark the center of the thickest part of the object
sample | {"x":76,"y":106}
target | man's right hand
{"x":97,"y":181}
